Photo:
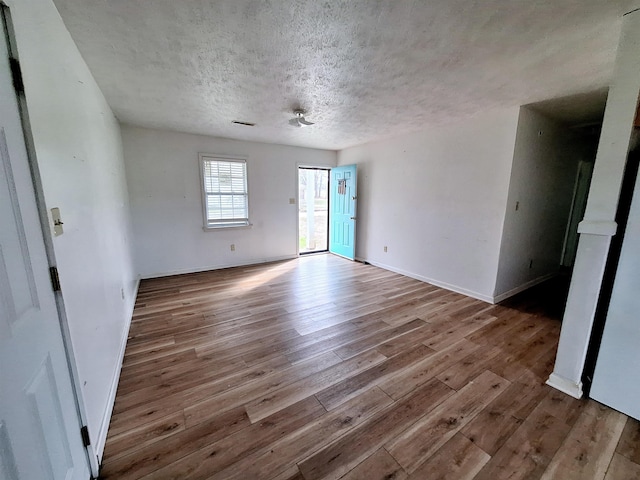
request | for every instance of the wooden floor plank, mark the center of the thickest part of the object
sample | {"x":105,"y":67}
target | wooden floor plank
{"x":529,"y":450}
{"x":246,"y":381}
{"x":516,"y":364}
{"x":460,"y":328}
{"x":135,"y":438}
{"x":320,"y":367}
{"x":198,"y":411}
{"x":561,"y":406}
{"x":411,"y":339}
{"x":465,"y":370}
{"x":419,"y":442}
{"x":226,"y":451}
{"x":292,"y":473}
{"x":358,"y":331}
{"x":337,"y":394}
{"x":310,"y":326}
{"x":194,"y":377}
{"x":341,"y":456}
{"x":458,"y":459}
{"x":314,"y":343}
{"x":379,"y":466}
{"x":158,"y":454}
{"x":272,"y":402}
{"x":496,"y":332}
{"x":629,"y":444}
{"x":148,"y":368}
{"x":497,"y":422}
{"x":354,"y":348}
{"x":587,"y":451}
{"x":171,"y":372}
{"x":621,"y":468}
{"x":421,"y":372}
{"x":281,"y":455}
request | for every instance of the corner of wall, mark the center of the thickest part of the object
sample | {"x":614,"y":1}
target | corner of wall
{"x":497,"y":297}
{"x":537,"y":205}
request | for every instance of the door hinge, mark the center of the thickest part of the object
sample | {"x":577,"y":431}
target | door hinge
{"x":16,"y":73}
{"x":84,"y":433}
{"x":55,"y":279}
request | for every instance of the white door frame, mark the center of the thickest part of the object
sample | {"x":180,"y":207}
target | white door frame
{"x":311,"y":167}
{"x":48,"y":242}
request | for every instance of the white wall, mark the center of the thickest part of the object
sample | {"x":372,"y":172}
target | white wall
{"x":79,"y":153}
{"x":545,"y":164}
{"x":166,"y":203}
{"x":437,"y":200}
{"x":616,"y":380}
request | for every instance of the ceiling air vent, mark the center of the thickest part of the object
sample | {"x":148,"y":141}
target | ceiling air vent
{"x":246,"y":124}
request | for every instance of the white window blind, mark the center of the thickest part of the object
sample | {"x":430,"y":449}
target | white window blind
{"x":226,"y":202}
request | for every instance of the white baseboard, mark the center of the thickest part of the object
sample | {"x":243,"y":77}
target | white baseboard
{"x":432,"y":281}
{"x":184,"y":271}
{"x":106,"y":419}
{"x":564,"y":385}
{"x":532,"y":283}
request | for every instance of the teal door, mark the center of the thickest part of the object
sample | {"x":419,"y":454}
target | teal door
{"x":342,"y":211}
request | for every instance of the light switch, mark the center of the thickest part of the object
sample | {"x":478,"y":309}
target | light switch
{"x":292,"y":201}
{"x":57,"y":221}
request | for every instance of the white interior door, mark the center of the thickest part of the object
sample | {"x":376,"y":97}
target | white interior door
{"x":578,"y":206}
{"x":616,"y":379}
{"x":39,"y":425}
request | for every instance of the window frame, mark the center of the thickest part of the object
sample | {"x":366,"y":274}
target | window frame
{"x":222,"y":224}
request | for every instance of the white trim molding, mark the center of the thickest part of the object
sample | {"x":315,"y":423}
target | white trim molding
{"x":565,"y":385}
{"x":184,"y":271}
{"x":437,"y":283}
{"x":106,"y":419}
{"x":514,"y":291}
{"x":598,"y":227}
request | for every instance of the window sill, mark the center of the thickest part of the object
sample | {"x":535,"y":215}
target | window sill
{"x":226,"y":227}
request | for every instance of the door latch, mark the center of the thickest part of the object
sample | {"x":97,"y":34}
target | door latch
{"x":57,"y":221}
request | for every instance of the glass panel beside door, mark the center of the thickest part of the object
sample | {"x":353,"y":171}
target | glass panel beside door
{"x":313,"y":209}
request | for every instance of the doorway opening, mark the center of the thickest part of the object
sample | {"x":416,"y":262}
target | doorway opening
{"x":313,"y":210}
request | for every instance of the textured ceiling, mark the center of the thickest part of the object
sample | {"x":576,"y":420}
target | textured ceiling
{"x":362,"y":69}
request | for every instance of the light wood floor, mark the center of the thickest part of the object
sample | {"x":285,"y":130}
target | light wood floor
{"x":323,"y":368}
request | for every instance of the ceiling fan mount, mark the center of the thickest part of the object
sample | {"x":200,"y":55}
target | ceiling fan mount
{"x":298,"y":120}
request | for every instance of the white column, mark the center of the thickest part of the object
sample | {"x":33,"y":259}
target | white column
{"x":599,"y":225}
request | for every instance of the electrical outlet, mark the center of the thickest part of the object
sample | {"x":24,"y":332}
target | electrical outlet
{"x":233,"y":247}
{"x":385,"y":249}
{"x":122,"y":293}
{"x":530,"y":264}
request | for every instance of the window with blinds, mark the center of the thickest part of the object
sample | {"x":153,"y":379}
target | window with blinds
{"x":225,"y":195}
